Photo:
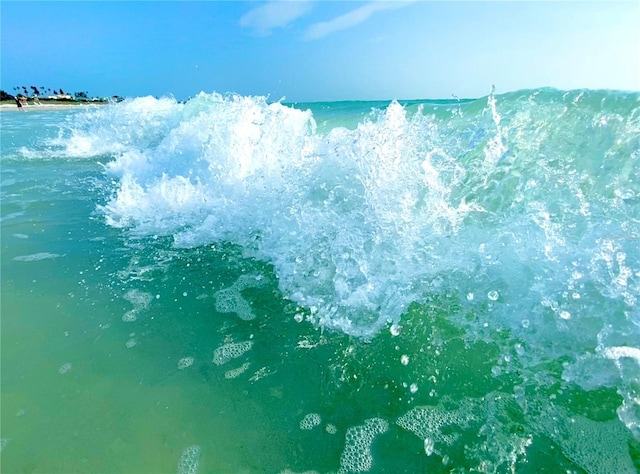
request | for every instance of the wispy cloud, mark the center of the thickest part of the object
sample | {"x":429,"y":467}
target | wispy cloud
{"x":274,"y":14}
{"x":351,"y":19}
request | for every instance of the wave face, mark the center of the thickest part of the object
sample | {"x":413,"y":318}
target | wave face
{"x":524,"y":208}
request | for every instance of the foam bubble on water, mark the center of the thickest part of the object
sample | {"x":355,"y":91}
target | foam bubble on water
{"x":185,"y":362}
{"x":64,"y":368}
{"x":139,"y":299}
{"x":331,"y":428}
{"x":438,"y":424}
{"x":598,"y":447}
{"x":36,"y":257}
{"x":229,"y":351}
{"x":21,"y":236}
{"x":3,"y":443}
{"x":189,"y":462}
{"x":131,"y":342}
{"x":310,"y":421}
{"x":490,"y":443}
{"x":357,"y":456}
{"x":230,"y":300}
{"x":233,"y":373}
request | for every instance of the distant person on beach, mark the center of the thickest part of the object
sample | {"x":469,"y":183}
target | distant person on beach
{"x":18,"y":101}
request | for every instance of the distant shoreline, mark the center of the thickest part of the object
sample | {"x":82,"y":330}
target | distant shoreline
{"x":10,"y":105}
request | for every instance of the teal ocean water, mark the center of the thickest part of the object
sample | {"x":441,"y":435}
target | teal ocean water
{"x":231,"y":285}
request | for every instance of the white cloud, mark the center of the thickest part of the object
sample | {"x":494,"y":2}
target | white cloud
{"x":274,"y":14}
{"x":350,"y":19}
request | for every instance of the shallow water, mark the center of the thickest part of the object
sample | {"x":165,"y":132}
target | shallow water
{"x":229,"y":285}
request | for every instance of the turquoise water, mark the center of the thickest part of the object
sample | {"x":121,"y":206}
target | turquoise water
{"x":232,"y":285}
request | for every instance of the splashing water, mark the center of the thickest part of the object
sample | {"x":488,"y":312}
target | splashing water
{"x":512,"y":221}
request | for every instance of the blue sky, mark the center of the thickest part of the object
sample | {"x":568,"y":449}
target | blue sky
{"x":319,"y":50}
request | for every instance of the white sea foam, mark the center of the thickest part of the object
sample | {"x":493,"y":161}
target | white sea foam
{"x":358,"y":223}
{"x":189,"y":462}
{"x":234,"y":373}
{"x":342,"y":217}
{"x":229,"y":351}
{"x":357,"y":455}
{"x":310,"y":421}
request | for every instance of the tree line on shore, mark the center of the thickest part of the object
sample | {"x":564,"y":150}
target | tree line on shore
{"x":42,"y":92}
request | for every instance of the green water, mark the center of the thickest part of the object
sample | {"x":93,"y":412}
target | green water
{"x":113,"y":360}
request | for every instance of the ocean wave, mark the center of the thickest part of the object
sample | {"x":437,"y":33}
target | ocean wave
{"x":524,"y":208}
